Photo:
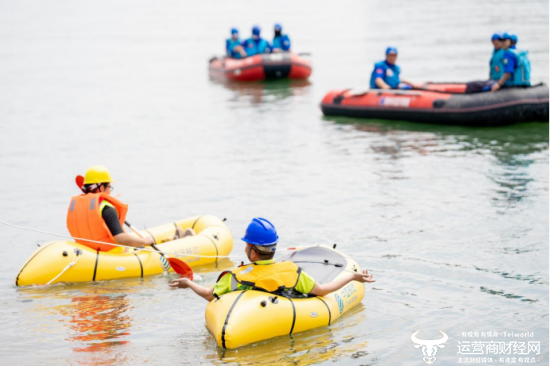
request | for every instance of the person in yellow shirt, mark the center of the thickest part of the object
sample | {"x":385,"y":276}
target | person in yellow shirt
{"x":264,"y":274}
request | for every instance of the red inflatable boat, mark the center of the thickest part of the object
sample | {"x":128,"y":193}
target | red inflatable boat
{"x":261,"y":67}
{"x":442,"y":104}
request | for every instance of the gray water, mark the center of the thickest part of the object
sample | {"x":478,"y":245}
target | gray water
{"x":452,"y":221}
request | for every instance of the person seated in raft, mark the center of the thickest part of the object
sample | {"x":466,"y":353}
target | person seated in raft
{"x":386,"y":73}
{"x":517,"y":67}
{"x":281,"y":42}
{"x":233,"y":47}
{"x":263,"y":273}
{"x":256,"y":45}
{"x":495,"y":64}
{"x":496,"y":68}
{"x":98,"y":216}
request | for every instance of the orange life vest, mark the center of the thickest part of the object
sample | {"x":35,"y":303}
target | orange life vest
{"x":84,"y":219}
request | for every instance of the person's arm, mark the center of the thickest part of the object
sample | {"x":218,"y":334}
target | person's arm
{"x":133,"y":241}
{"x":110,"y":216}
{"x":239,"y":49}
{"x":206,"y":293}
{"x":510,"y":64}
{"x":413,"y":85}
{"x":496,"y":86}
{"x":381,"y":83}
{"x":327,"y":288}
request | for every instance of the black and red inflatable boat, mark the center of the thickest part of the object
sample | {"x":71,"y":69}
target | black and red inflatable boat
{"x":442,"y":104}
{"x":261,"y":67}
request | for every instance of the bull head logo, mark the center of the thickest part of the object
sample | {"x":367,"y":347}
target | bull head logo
{"x":429,"y":346}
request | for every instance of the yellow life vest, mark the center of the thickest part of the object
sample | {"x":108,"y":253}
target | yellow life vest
{"x":276,"y":276}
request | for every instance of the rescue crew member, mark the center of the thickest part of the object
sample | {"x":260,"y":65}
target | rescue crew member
{"x":386,"y":73}
{"x":98,"y":216}
{"x":281,"y":42}
{"x":496,"y":68}
{"x":264,"y":273}
{"x":517,"y":67}
{"x":495,"y":64}
{"x":233,"y":47}
{"x":256,"y":45}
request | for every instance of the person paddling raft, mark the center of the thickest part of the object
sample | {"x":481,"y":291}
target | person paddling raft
{"x":98,"y":216}
{"x":263,"y":273}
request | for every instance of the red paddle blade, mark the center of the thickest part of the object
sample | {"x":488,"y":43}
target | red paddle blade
{"x":181,"y":267}
{"x":79,"y":181}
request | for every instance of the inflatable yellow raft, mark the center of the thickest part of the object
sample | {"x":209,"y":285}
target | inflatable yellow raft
{"x":73,"y":262}
{"x":243,"y":317}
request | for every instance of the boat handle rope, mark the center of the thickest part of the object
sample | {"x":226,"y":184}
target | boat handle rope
{"x":126,"y":246}
{"x":76,"y":257}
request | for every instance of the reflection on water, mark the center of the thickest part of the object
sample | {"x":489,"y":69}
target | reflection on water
{"x":264,"y":91}
{"x":512,"y":149}
{"x":95,"y":319}
{"x":98,"y":320}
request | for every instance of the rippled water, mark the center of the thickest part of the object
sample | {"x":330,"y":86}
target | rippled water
{"x":452,"y":221}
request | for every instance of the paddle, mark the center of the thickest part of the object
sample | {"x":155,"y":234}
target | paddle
{"x":80,"y":182}
{"x":179,"y":266}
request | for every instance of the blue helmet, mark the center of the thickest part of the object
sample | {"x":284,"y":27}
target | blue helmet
{"x":497,"y":36}
{"x":256,"y":30}
{"x":391,"y":50}
{"x":261,"y":232}
{"x":234,"y":31}
{"x":510,"y":36}
{"x":278,"y":27}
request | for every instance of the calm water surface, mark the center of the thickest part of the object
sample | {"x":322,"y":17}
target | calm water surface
{"x":452,"y":221}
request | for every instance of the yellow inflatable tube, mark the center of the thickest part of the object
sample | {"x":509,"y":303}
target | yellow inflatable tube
{"x":79,"y":263}
{"x":243,"y":317}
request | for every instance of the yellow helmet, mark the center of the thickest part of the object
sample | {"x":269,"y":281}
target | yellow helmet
{"x":97,"y":174}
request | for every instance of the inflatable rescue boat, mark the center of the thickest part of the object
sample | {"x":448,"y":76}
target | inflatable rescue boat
{"x":260,"y":67}
{"x":66,"y":261}
{"x":442,"y":104}
{"x":242,"y":317}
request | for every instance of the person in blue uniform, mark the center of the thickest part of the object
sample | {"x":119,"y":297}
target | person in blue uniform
{"x":496,"y":68}
{"x":495,"y":64}
{"x":256,"y":45}
{"x":386,"y":73}
{"x":517,"y":67}
{"x":281,"y":42}
{"x":233,"y":47}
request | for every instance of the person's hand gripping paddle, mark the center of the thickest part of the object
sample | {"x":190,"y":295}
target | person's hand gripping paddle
{"x":179,"y":266}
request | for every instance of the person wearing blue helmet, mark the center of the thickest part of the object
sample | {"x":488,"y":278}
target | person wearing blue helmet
{"x":517,"y":67}
{"x":281,"y":42}
{"x":495,"y":64}
{"x":233,"y":47}
{"x":256,"y":45}
{"x":386,"y":73}
{"x":496,"y":68}
{"x":264,"y":274}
